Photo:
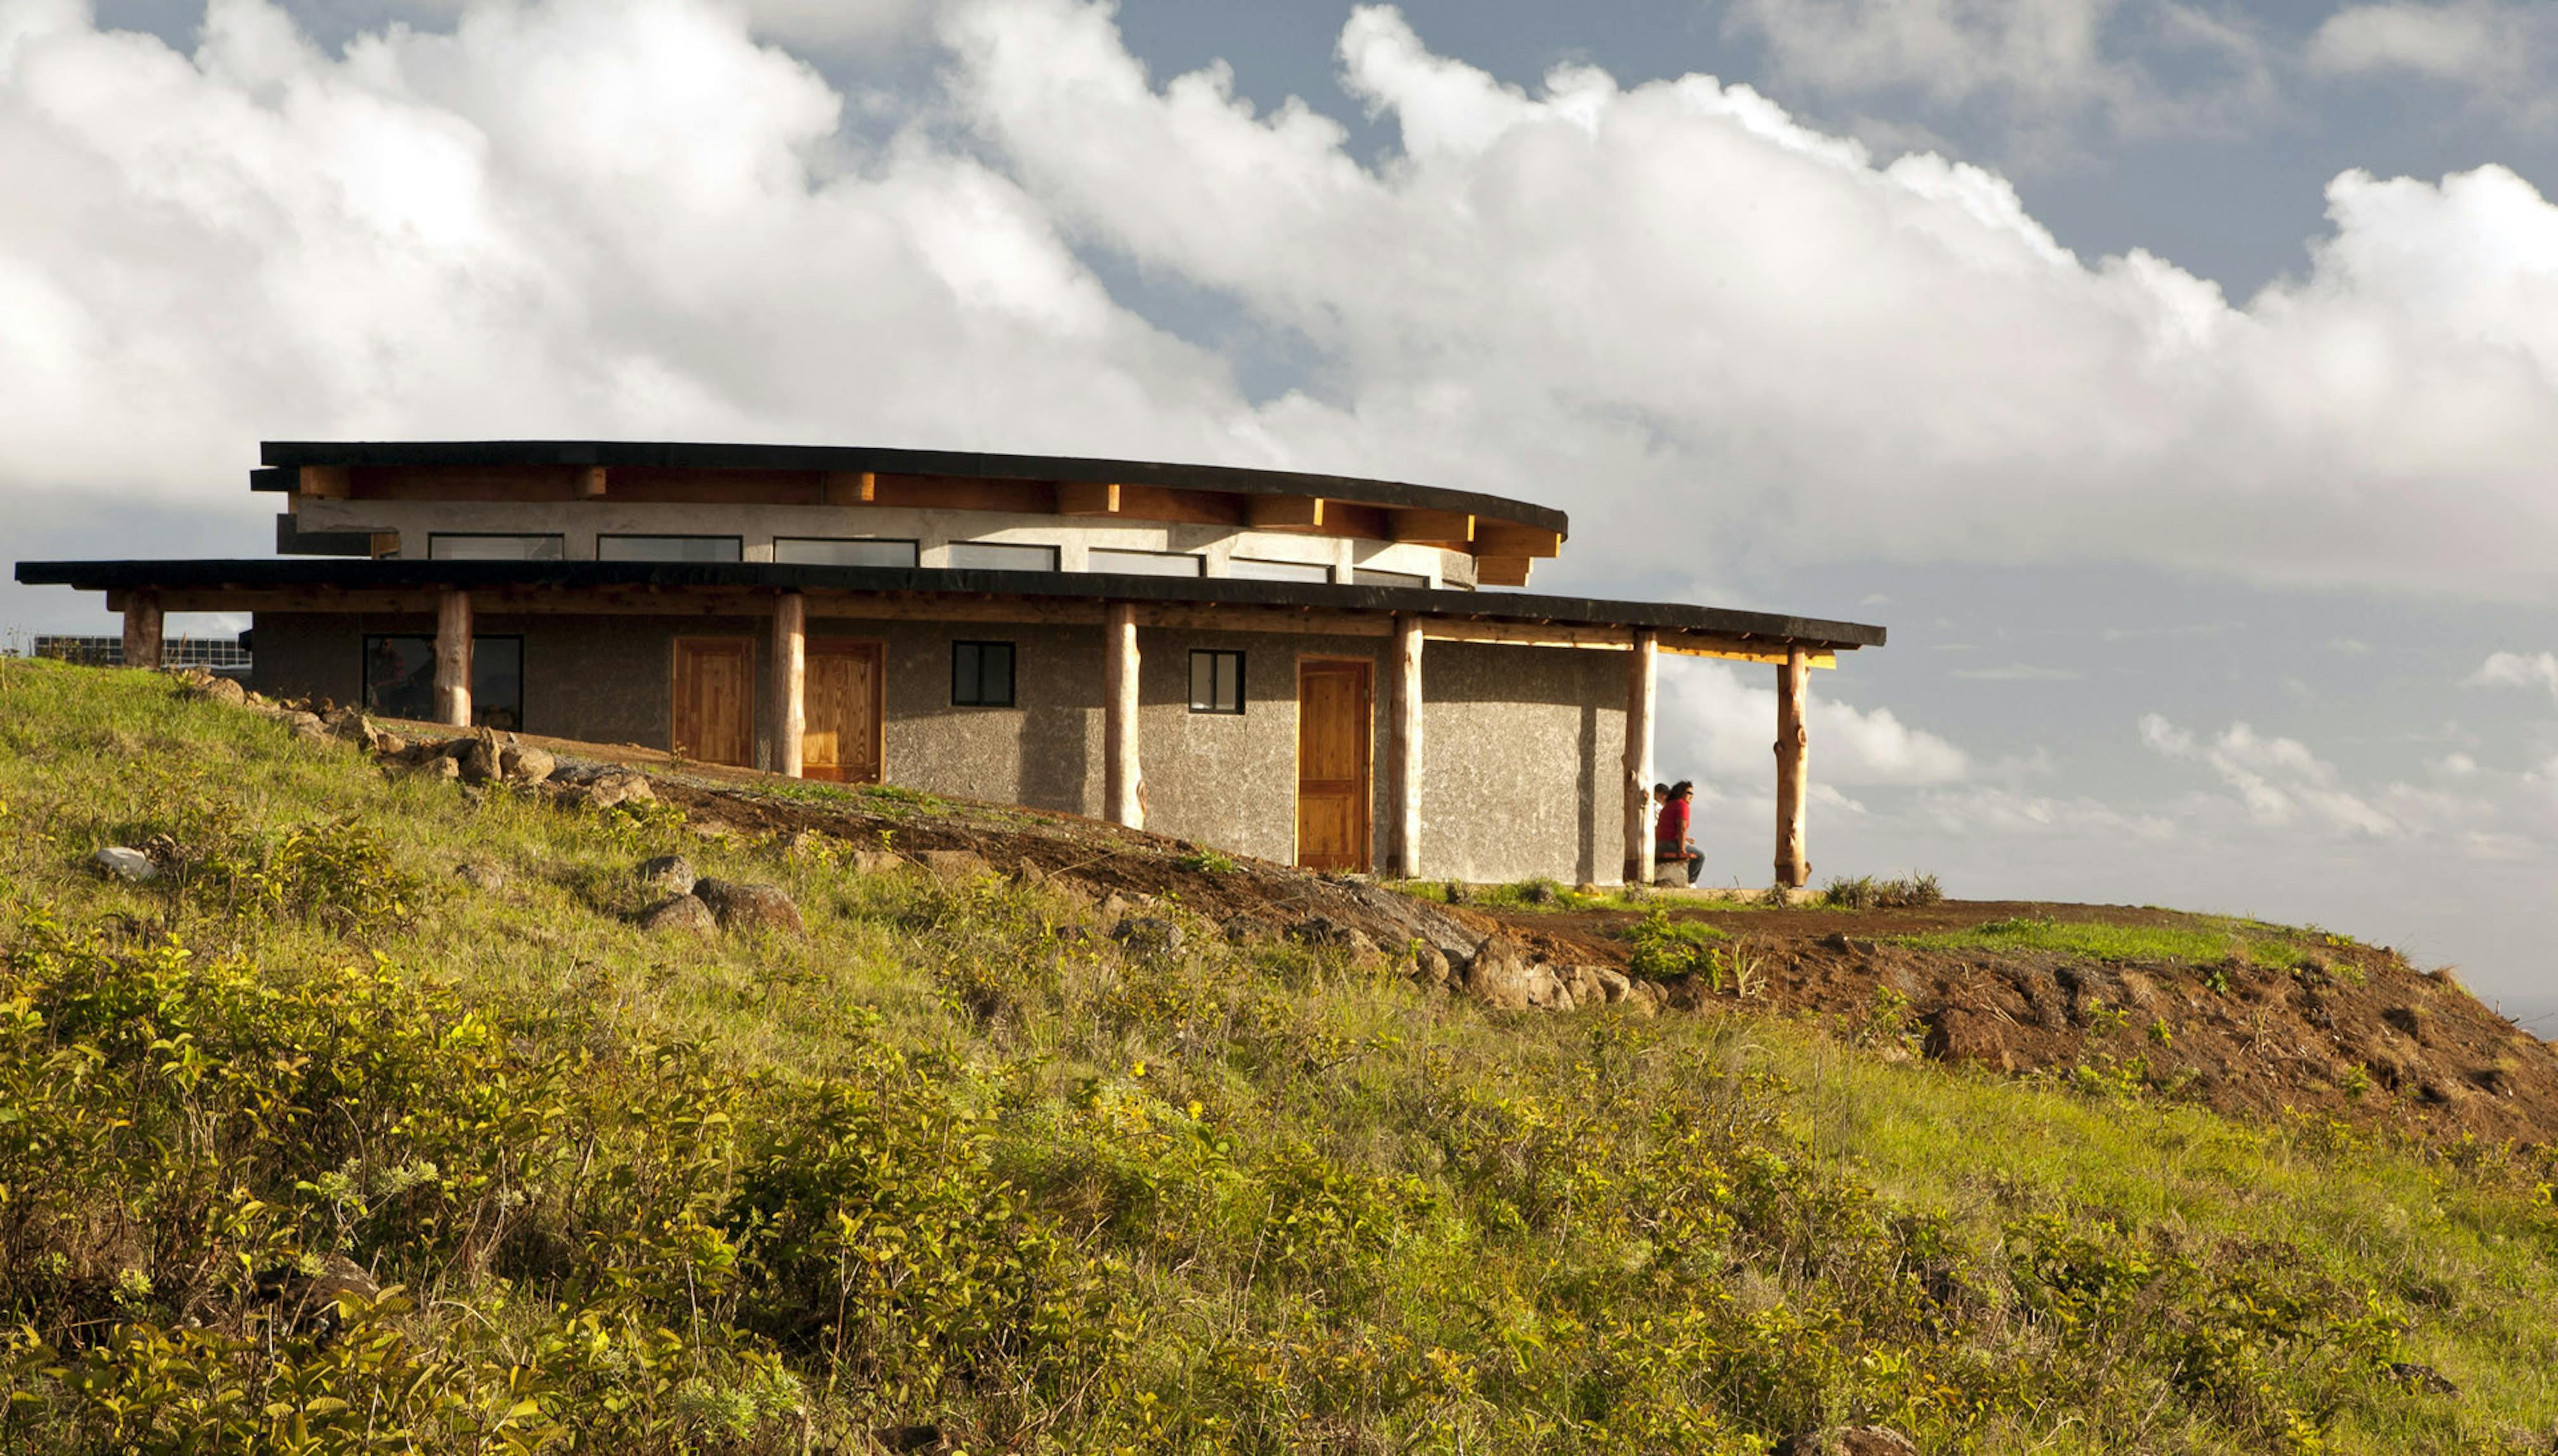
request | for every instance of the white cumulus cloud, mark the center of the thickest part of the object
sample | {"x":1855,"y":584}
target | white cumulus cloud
{"x":2279,"y":780}
{"x":2516,"y":670}
{"x":1717,"y":726}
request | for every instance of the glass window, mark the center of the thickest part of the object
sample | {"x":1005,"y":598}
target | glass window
{"x":1216,"y":681}
{"x":399,"y":679}
{"x":1277,"y":571}
{"x":989,"y":555}
{"x":981,"y":673}
{"x":1146,"y":563}
{"x":1366,"y":578}
{"x":669,"y":548}
{"x":843,"y":551}
{"x":457,"y":546}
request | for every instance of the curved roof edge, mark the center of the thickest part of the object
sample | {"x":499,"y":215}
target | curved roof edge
{"x":1500,"y":606}
{"x":292,"y":453}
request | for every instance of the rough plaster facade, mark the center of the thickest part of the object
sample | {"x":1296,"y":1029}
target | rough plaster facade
{"x":579,"y":522}
{"x":1520,"y":745}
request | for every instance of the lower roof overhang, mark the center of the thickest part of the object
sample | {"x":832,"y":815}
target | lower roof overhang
{"x":750,"y":587}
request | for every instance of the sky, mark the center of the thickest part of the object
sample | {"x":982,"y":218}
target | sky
{"x":2177,"y":381}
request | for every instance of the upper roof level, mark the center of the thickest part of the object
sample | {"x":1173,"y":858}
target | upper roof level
{"x":1501,"y":536}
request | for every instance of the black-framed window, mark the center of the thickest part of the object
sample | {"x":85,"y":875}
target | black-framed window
{"x":845,"y":551}
{"x":669,"y":548}
{"x":1216,"y":681}
{"x":981,"y":673}
{"x":399,"y":679}
{"x":493,"y":546}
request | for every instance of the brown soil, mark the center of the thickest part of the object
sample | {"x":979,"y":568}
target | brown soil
{"x":2436,"y":1060}
{"x":2354,"y":1032}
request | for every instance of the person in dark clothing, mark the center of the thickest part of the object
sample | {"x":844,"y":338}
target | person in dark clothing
{"x":1670,"y":842}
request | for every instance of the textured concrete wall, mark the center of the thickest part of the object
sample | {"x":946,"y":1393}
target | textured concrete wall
{"x":579,"y":522}
{"x":1521,"y":747}
{"x":1521,"y":742}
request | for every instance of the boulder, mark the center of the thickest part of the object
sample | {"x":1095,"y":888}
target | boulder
{"x":482,"y":762}
{"x":954,"y":864}
{"x":1500,"y":976}
{"x":678,"y":914}
{"x":740,"y":905}
{"x":481,"y":874}
{"x":1148,"y":937}
{"x":668,"y":874}
{"x":525,"y":766}
{"x":1959,"y":1034}
{"x":2423,"y":1377}
{"x":117,"y":862}
{"x":1324,"y":933}
{"x":1430,"y":965}
{"x":605,"y":788}
{"x":224,"y":692}
{"x":1250,"y":930}
{"x":1614,"y":985}
{"x":875,"y":862}
{"x":1848,"y":1440}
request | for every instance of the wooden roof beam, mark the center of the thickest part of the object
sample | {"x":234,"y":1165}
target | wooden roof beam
{"x":1501,"y":571}
{"x":1284,"y":512}
{"x":850,"y":487}
{"x":1509,"y":537}
{"x":1454,"y":530}
{"x":326,"y":482}
{"x":1087,"y":497}
{"x":590,"y":482}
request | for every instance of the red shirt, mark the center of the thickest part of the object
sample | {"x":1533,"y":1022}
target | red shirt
{"x":1670,"y":832}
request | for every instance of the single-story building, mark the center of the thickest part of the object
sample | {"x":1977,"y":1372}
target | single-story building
{"x":1312,"y":669}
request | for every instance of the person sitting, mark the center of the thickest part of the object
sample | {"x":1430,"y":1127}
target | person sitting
{"x":1670,"y":842}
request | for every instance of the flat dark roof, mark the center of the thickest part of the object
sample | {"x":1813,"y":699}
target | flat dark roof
{"x":285,"y":455}
{"x":1499,"y":606}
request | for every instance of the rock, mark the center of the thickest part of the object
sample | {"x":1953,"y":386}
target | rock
{"x":875,"y":862}
{"x":1537,"y":892}
{"x":441,"y":767}
{"x":389,"y":744}
{"x":1148,"y":937}
{"x":481,"y":874}
{"x":1614,"y":985}
{"x":745,"y":906}
{"x":954,"y":864}
{"x":668,"y":874}
{"x":306,"y":725}
{"x":1324,"y":933}
{"x":1430,"y":965}
{"x":1959,"y":1034}
{"x":223,"y":692}
{"x":1848,"y":1440}
{"x":678,"y":913}
{"x":2423,"y":1377}
{"x":1250,"y":930}
{"x":1500,"y":976}
{"x":605,"y":788}
{"x":481,"y":763}
{"x":116,"y":861}
{"x":525,"y":766}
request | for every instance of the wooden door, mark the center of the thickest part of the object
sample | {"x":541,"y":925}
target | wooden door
{"x":1333,"y":764}
{"x":842,"y":739}
{"x":714,"y":721}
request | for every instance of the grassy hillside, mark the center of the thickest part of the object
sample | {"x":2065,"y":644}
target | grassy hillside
{"x":312,"y":1143}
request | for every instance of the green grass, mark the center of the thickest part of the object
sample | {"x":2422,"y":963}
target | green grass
{"x":2202,"y":942}
{"x":952,"y":1159}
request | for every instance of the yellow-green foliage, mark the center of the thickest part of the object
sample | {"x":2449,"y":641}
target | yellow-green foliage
{"x":953,"y":1159}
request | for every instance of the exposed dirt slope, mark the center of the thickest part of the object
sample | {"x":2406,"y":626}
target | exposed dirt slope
{"x":2337,"y":1028}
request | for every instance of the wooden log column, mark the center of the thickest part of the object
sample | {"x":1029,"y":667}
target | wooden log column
{"x":1122,"y":784}
{"x":1403,"y":852}
{"x":453,"y":659}
{"x":1642,"y":695}
{"x":1793,"y":776}
{"x":142,"y":629}
{"x":789,"y":681}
